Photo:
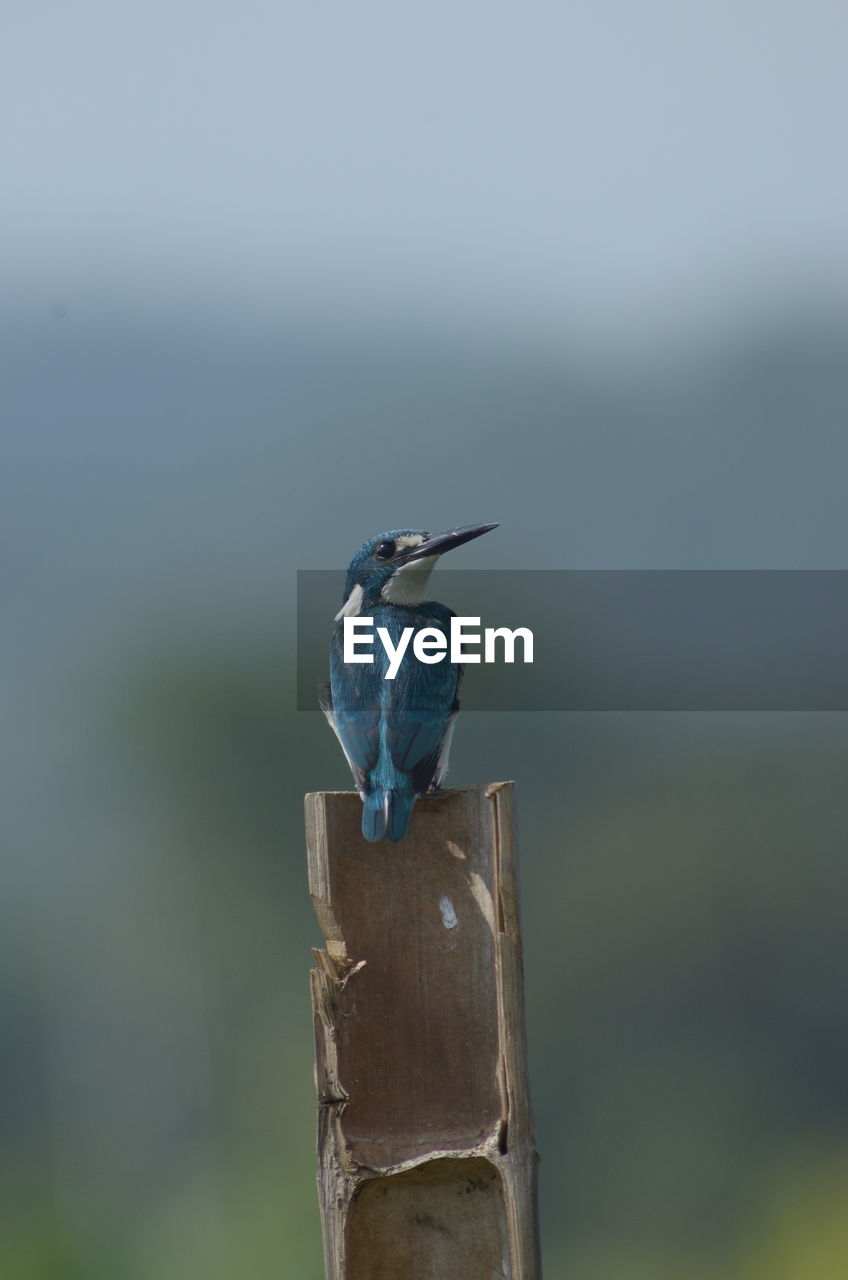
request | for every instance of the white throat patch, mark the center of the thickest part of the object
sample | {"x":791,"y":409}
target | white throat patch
{"x":408,"y":584}
{"x":351,"y":606}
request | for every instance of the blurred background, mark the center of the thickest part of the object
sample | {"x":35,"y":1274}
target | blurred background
{"x":277,"y":278}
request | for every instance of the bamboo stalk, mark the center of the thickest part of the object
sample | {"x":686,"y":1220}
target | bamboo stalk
{"x":425,"y":1137}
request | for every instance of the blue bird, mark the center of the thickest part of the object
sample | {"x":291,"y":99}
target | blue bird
{"x":395,"y":733}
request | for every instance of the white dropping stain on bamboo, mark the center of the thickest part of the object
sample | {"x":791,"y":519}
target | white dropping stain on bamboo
{"x":483,"y":898}
{"x":449,"y":916}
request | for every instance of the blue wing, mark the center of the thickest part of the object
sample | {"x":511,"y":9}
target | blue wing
{"x":353,"y":710}
{"x":419,"y":712}
{"x":395,"y":733}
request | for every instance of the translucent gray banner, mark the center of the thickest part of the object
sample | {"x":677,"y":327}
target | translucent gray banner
{"x":631,"y":640}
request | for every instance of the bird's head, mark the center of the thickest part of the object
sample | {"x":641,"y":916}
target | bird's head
{"x":393,"y":567}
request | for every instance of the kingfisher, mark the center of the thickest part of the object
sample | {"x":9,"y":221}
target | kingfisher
{"x":396,"y":733}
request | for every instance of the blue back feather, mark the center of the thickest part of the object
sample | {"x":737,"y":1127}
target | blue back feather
{"x":393,"y":731}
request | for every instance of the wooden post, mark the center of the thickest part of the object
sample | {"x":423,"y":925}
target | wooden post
{"x":427,"y":1169}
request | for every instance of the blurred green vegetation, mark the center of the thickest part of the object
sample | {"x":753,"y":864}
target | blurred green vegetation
{"x":684,"y":876}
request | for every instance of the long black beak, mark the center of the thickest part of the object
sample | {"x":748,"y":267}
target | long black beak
{"x":437,"y":543}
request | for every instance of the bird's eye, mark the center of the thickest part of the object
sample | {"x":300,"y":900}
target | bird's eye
{"x":385,"y":550}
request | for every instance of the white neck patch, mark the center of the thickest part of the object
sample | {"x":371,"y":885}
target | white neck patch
{"x":351,"y":606}
{"x":408,"y":584}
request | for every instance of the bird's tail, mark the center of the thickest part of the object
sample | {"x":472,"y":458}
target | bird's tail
{"x":386,"y":812}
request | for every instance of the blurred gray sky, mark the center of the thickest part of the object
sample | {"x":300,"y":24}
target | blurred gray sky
{"x":623,"y":161}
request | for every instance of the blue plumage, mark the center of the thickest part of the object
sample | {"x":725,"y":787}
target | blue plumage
{"x":395,"y":732}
